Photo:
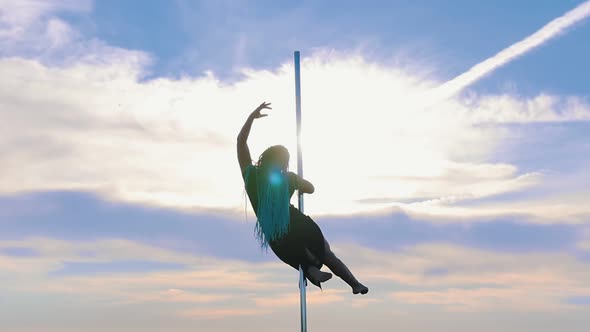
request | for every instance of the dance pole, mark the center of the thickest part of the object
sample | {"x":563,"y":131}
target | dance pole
{"x":302,"y":281}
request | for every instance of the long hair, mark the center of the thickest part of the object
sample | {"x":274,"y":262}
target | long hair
{"x":272,"y":185}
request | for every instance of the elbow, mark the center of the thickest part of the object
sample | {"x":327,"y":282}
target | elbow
{"x":241,"y":141}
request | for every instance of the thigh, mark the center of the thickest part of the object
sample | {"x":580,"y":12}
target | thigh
{"x":327,"y":247}
{"x":288,"y":252}
{"x":328,"y":251}
{"x":306,"y":232}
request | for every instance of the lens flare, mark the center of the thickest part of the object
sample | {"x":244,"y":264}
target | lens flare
{"x":275,"y":177}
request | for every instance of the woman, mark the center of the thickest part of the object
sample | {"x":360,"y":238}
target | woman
{"x":293,"y":236}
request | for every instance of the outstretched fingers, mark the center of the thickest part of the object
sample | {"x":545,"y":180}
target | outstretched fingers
{"x":256,"y":113}
{"x":264,"y":105}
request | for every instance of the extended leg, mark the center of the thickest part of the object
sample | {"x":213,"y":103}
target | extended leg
{"x":336,"y":266}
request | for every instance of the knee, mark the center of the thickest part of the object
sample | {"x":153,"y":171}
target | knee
{"x":329,"y":257}
{"x":311,"y":257}
{"x":327,"y":249}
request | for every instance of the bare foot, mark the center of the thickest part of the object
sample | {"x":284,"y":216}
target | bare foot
{"x":324,"y":276}
{"x":317,"y":276}
{"x":360,"y":288}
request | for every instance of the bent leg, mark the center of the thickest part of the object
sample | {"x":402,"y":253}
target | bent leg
{"x":313,"y":273}
{"x":339,"y":269}
{"x":294,"y":254}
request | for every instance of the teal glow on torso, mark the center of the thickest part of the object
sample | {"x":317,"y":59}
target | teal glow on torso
{"x":270,"y":199}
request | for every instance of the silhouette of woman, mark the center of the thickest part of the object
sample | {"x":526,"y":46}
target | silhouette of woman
{"x":293,"y":236}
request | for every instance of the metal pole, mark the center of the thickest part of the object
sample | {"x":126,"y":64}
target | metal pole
{"x":302,"y":281}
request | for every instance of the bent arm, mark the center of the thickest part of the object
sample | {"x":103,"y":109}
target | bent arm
{"x":243,"y":151}
{"x":244,"y":157}
{"x":302,"y":184}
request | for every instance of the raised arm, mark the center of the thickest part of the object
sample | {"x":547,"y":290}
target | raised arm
{"x":244,"y":157}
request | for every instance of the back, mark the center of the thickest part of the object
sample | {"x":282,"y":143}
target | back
{"x":251,"y":183}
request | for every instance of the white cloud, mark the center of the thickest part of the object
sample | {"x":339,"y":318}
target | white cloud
{"x":89,"y":124}
{"x":542,"y":108}
{"x":31,"y":26}
{"x":94,"y":127}
{"x":562,"y":209}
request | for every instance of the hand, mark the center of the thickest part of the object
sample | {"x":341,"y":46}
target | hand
{"x":256,"y":114}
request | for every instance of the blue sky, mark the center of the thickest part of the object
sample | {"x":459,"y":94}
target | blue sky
{"x":121,"y":201}
{"x":190,"y":37}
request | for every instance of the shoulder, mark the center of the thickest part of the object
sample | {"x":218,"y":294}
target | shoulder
{"x":247,"y":171}
{"x":244,"y":168}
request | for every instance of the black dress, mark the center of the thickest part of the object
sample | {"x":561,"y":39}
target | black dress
{"x":303,"y":233}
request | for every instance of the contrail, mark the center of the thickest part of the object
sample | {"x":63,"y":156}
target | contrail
{"x":547,"y":32}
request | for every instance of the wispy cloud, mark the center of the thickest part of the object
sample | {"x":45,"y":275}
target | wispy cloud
{"x":479,"y":299}
{"x":547,"y":32}
{"x":31,"y":28}
{"x":292,"y":299}
{"x":473,"y":280}
{"x":206,"y":313}
{"x":584,"y":240}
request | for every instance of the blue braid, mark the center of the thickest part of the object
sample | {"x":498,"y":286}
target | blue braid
{"x":273,"y":204}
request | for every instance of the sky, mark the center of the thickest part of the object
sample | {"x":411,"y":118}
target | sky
{"x":447,"y":142}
